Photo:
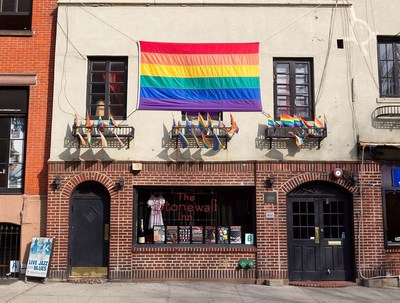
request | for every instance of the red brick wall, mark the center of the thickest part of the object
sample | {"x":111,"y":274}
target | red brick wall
{"x":35,"y":55}
{"x":127,"y":261}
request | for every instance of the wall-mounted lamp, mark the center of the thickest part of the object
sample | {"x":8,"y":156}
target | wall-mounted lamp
{"x":57,"y":182}
{"x":120,"y":183}
{"x":270,"y":181}
{"x":353,"y":179}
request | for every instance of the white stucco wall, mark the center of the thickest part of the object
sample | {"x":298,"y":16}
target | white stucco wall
{"x":299,"y":29}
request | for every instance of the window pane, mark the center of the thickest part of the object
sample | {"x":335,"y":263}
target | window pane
{"x":98,"y":88}
{"x":282,"y":79}
{"x":117,"y":88}
{"x":283,"y":110}
{"x":301,"y":79}
{"x":301,"y":68}
{"x":16,"y":151}
{"x":302,"y":101}
{"x":17,"y":128}
{"x":99,"y":66}
{"x":398,"y":52}
{"x":15,"y":176}
{"x":282,"y":68}
{"x":4,"y":128}
{"x":283,"y":89}
{"x":382,"y":51}
{"x":302,"y":89}
{"x":384,"y":69}
{"x":117,"y":77}
{"x":389,"y":51}
{"x":9,"y":6}
{"x":117,"y":66}
{"x":117,"y":111}
{"x":3,"y":151}
{"x":117,"y":99}
{"x":303,"y":111}
{"x":24,"y":5}
{"x":283,"y":101}
{"x":392,"y":216}
{"x":98,"y":77}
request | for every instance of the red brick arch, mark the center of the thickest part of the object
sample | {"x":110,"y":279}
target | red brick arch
{"x":101,"y":178}
{"x":300,"y":179}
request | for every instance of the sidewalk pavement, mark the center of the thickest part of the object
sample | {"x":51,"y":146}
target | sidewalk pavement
{"x":189,"y":292}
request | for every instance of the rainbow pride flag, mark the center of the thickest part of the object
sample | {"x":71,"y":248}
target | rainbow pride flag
{"x":206,"y":142}
{"x":287,"y":120}
{"x":318,"y":123}
{"x":184,"y":141}
{"x":199,"y":76}
{"x":217,"y":143}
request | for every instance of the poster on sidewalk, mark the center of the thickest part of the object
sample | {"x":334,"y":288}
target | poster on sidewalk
{"x":39,"y":257}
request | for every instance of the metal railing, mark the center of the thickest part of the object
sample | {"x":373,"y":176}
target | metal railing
{"x":10,"y":235}
{"x":311,"y":133}
{"x":121,"y":134}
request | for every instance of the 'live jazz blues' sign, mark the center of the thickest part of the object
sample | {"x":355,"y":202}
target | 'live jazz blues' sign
{"x":39,"y":257}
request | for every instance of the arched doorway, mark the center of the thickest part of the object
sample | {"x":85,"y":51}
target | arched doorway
{"x":320,"y":233}
{"x":89,"y":230}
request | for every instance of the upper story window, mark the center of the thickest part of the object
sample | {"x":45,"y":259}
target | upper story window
{"x":293,"y":87}
{"x":13,"y":109}
{"x":107,"y":87}
{"x":389,"y":66}
{"x":15,"y":14}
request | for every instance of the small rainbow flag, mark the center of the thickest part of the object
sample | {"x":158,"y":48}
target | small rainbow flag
{"x":209,"y":121}
{"x":235,"y":127}
{"x":199,"y":76}
{"x":100,"y":123}
{"x":184,"y":141}
{"x":217,"y":143}
{"x":89,"y":138}
{"x":325,"y":122}
{"x":202,"y":123}
{"x":75,"y":120}
{"x":271,"y":121}
{"x":196,"y":139}
{"x":83,"y":142}
{"x":297,"y":121}
{"x":318,"y":123}
{"x":287,"y":120}
{"x":299,"y":140}
{"x":206,"y":142}
{"x":305,"y":124}
{"x":112,"y":121}
{"x":104,"y":143}
{"x":88,"y":122}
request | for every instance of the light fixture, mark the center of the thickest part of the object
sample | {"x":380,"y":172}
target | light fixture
{"x":120,"y":183}
{"x":270,"y":181}
{"x":57,"y":182}
{"x":353,"y":178}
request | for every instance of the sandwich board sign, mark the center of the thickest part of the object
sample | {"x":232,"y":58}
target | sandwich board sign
{"x":39,"y":257}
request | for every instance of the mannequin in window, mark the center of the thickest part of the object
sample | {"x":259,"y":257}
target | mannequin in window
{"x":156,"y":202}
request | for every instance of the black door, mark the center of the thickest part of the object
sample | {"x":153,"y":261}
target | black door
{"x":89,"y":231}
{"x":320,"y":235}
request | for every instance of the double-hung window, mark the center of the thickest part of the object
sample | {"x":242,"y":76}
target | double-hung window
{"x":293,"y":88}
{"x":15,"y":14}
{"x":107,"y":87}
{"x":389,"y":66}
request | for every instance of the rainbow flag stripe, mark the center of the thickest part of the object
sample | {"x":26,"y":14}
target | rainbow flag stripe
{"x":199,"y":76}
{"x":287,"y":120}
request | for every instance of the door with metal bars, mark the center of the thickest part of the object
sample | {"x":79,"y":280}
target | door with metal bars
{"x":10,"y":235}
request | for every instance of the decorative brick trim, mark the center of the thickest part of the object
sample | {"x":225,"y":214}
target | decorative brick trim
{"x":194,"y":250}
{"x":190,"y":274}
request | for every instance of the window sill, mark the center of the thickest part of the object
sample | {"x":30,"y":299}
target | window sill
{"x":385,"y":100}
{"x":193,"y":248}
{"x":16,"y":33}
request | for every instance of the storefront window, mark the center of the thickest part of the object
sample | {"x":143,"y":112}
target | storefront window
{"x":392,"y":215}
{"x":192,"y":215}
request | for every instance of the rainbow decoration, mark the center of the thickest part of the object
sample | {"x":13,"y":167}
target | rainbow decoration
{"x":206,"y":142}
{"x":202,"y":123}
{"x":271,"y":121}
{"x":88,"y":122}
{"x":83,"y":142}
{"x":299,"y":140}
{"x":325,"y":122}
{"x":104,"y":143}
{"x":287,"y":120}
{"x":174,"y":123}
{"x":112,"y":121}
{"x":234,"y":126}
{"x":100,"y":124}
{"x":196,"y":139}
{"x":297,"y":121}
{"x":305,"y":124}
{"x":89,"y":138}
{"x":209,"y":121}
{"x":188,"y":125}
{"x":75,"y":120}
{"x":217,"y":143}
{"x":184,"y":141}
{"x":318,"y":123}
{"x":199,"y":76}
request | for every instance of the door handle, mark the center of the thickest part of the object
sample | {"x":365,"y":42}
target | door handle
{"x":316,"y":228}
{"x":106,"y":232}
